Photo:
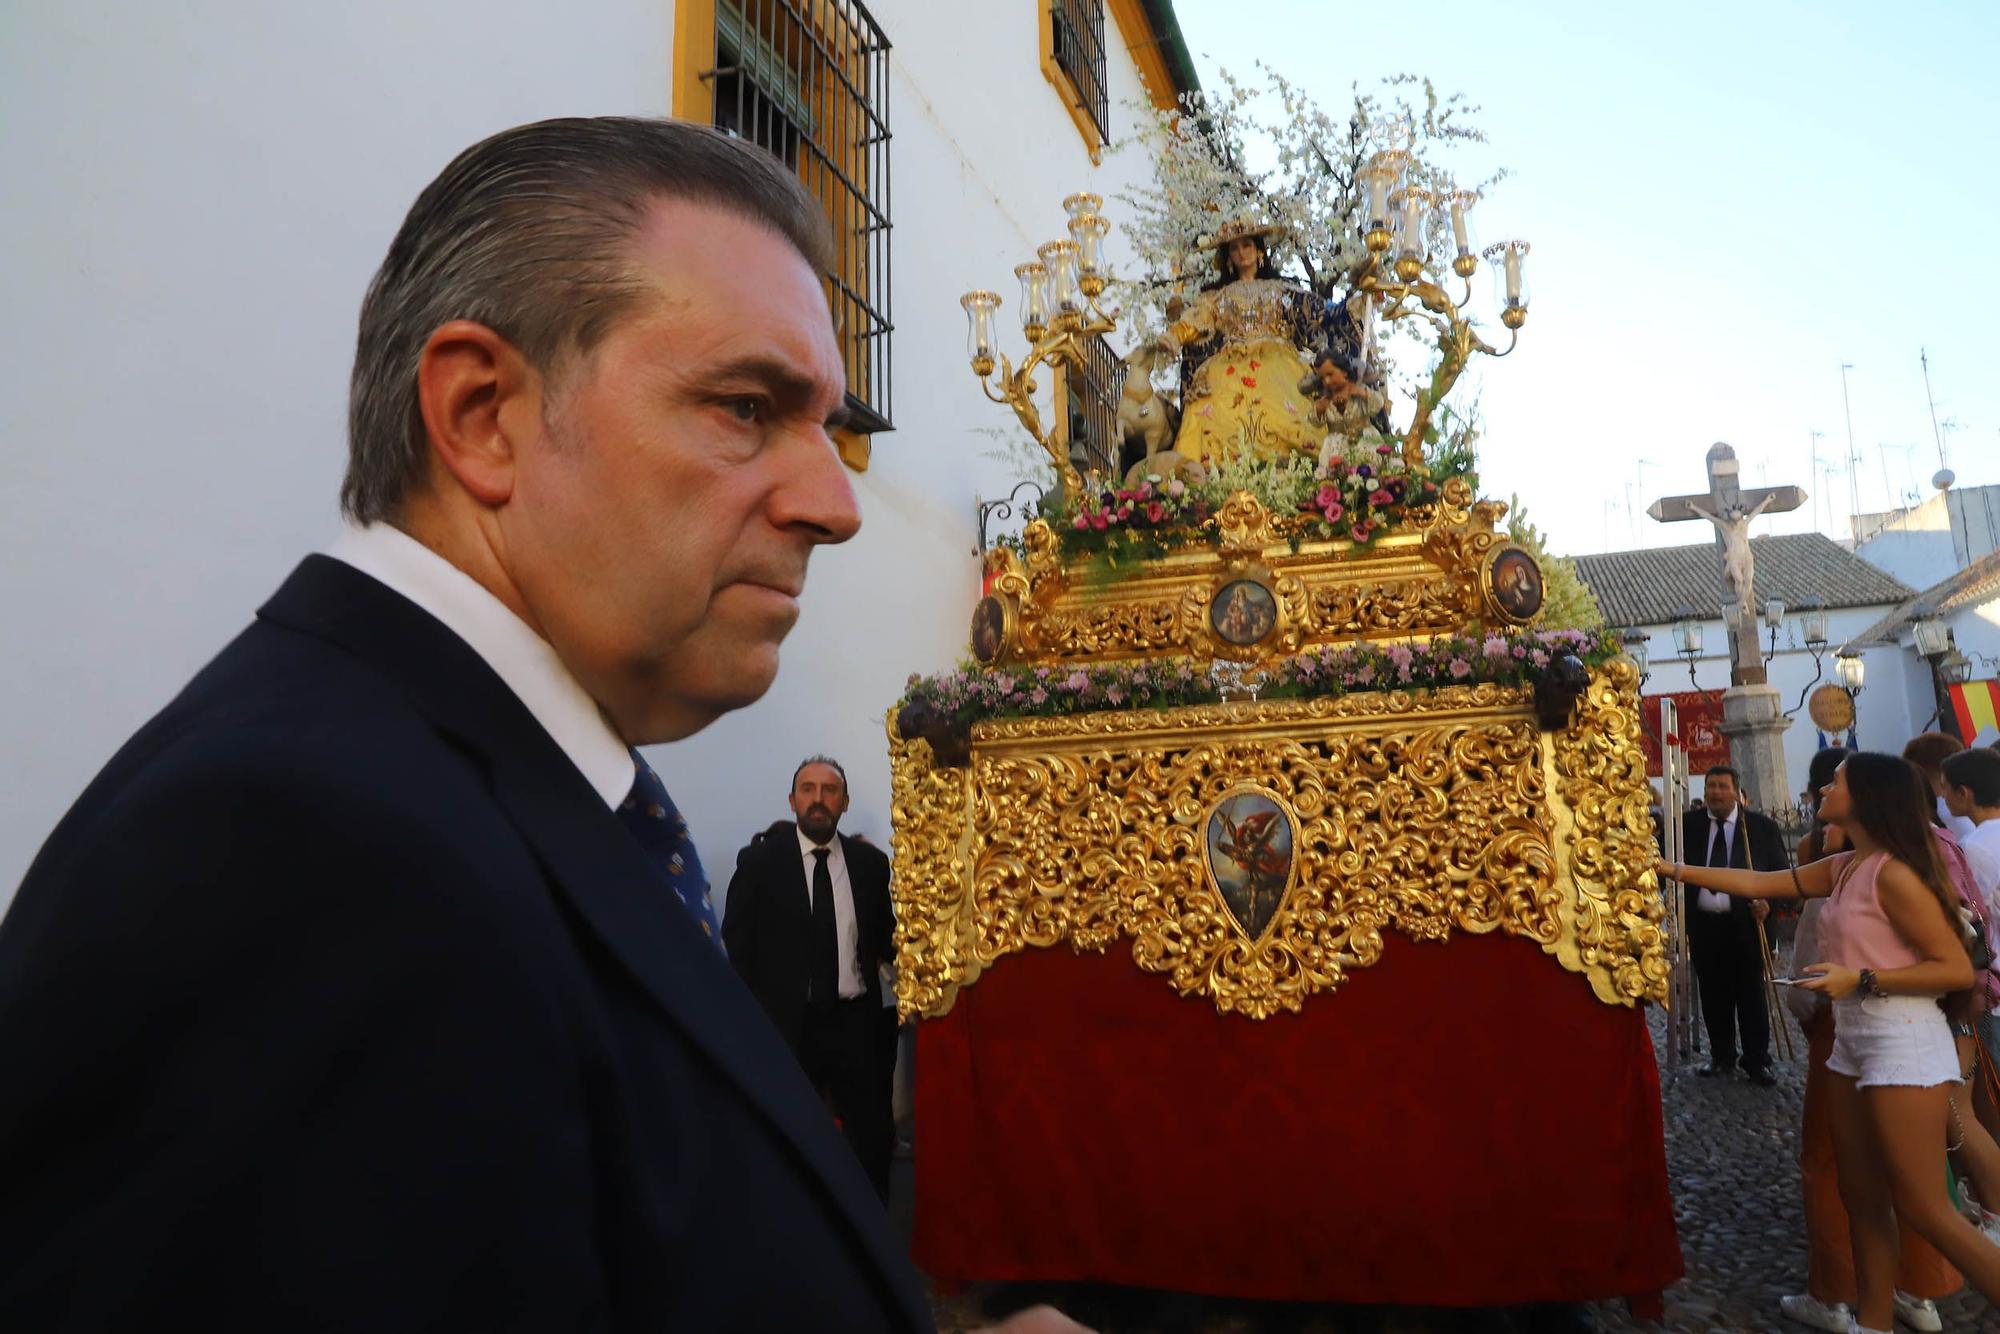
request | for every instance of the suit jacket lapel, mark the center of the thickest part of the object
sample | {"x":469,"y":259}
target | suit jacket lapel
{"x":595,"y":863}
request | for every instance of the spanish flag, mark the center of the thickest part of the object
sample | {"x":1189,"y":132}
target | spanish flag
{"x":1977,"y":704}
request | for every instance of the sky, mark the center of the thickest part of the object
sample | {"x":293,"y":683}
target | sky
{"x":1726,"y":202}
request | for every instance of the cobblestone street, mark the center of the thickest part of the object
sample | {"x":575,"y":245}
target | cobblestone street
{"x":1732,"y":1151}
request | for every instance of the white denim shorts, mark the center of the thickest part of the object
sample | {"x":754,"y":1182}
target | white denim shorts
{"x":1893,"y":1040}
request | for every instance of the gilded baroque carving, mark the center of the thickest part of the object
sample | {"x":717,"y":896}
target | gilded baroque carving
{"x":1423,"y":583}
{"x":1417,"y":813}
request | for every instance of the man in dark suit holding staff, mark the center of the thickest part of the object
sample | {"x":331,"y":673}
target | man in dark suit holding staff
{"x":373,"y":984}
{"x":809,"y":927}
{"x":1723,"y":940}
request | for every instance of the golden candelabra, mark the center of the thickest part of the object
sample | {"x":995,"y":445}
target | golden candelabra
{"x":1400,"y":282}
{"x":1059,"y":310}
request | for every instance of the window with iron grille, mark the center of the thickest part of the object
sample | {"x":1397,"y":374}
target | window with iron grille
{"x":1079,"y":52}
{"x":809,"y":80}
{"x":1093,"y":408}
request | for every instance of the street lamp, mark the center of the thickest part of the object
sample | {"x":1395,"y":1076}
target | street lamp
{"x":1687,"y":638}
{"x":1774,"y":621}
{"x":1847,"y":665}
{"x":1812,"y":629}
{"x":1938,"y":648}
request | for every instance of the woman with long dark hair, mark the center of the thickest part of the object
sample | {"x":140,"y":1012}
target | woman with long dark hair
{"x":1922,"y":1275}
{"x":1892,"y":946}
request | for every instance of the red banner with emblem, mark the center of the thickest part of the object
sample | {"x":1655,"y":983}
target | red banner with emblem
{"x":1700,"y":713}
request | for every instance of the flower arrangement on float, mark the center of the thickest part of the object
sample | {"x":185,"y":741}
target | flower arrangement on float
{"x":970,"y":694}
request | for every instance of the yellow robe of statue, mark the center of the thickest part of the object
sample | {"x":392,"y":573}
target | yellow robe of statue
{"x":1247,"y":391}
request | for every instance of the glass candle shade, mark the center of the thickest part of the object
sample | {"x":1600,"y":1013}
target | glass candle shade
{"x":1459,"y":203}
{"x":1413,"y":211}
{"x":1509,"y":261}
{"x":1082,"y":203}
{"x":1382,"y":177}
{"x":1034,"y":298}
{"x":1064,"y":294}
{"x":979,"y":341}
{"x":1088,"y":229}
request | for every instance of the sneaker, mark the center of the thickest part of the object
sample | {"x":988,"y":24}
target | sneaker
{"x":1810,"y":1310}
{"x":1919,"y":1313}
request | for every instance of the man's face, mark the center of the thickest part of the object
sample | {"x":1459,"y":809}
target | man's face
{"x":1718,"y":793}
{"x":659,"y":527}
{"x":1958,"y":800}
{"x":819,"y":799}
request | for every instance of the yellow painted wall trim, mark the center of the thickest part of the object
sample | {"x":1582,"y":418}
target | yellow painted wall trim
{"x":854,"y":449}
{"x":693,"y":98}
{"x":1144,"y":45}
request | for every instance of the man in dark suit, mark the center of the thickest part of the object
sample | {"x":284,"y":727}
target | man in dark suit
{"x":373,"y":984}
{"x":809,"y":927}
{"x":1723,"y":941}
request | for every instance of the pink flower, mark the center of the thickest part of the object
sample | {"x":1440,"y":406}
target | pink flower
{"x":1400,"y":655}
{"x":1494,"y":647}
{"x":1082,"y":519}
{"x":1177,"y":488}
{"x":1333,"y":510}
{"x":1155,"y":511}
{"x":1460,"y":668}
{"x":1038,"y":697}
{"x":1076,"y":681}
{"x":1100,"y":521}
{"x":1361,"y":531}
{"x":1379,"y":497}
{"x":1366,"y":674}
{"x":1114,"y":694}
{"x":1539,"y":658}
{"x":1385,"y":449}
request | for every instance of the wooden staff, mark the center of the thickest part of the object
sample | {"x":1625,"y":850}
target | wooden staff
{"x":1778,"y":1024}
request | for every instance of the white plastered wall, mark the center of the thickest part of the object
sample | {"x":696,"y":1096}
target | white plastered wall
{"x":197,"y":195}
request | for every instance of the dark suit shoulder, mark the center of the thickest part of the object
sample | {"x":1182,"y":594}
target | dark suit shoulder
{"x":285,"y":780}
{"x":863,"y":854}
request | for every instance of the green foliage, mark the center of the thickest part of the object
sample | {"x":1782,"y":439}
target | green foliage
{"x":1567,"y":602}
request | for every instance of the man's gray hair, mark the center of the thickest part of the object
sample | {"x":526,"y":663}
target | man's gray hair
{"x":528,"y":233}
{"x":828,"y":761}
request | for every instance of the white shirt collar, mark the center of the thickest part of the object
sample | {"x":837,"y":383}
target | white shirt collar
{"x":807,"y":848}
{"x":522,"y":659}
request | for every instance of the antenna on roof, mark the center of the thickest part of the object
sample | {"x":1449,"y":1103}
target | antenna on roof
{"x":1944,"y":477}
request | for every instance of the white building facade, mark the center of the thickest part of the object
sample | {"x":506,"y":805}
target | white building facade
{"x":1646,"y":590}
{"x":200,"y":192}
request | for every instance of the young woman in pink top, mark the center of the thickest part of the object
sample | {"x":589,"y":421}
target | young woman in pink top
{"x":1892,"y":948}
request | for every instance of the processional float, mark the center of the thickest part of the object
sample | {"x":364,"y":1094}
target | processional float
{"x":1273,"y":889}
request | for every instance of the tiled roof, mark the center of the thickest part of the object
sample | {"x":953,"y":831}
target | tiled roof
{"x":1648,"y":587}
{"x":1977,"y":583}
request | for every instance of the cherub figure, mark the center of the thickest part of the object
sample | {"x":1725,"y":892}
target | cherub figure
{"x":1343,"y":403}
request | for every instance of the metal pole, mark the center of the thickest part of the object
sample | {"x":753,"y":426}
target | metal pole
{"x":1682,"y":1026}
{"x":1853,"y":455}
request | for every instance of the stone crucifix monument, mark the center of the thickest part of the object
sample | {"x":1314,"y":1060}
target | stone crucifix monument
{"x":1752,"y":717}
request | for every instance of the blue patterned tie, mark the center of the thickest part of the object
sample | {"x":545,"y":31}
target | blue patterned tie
{"x":649,"y":813}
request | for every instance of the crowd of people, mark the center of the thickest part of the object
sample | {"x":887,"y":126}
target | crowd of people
{"x":1895,"y":988}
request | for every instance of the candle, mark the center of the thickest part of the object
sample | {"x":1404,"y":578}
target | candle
{"x":1034,"y":297}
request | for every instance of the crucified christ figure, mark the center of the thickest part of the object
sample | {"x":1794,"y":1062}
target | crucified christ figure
{"x":1733,"y":524}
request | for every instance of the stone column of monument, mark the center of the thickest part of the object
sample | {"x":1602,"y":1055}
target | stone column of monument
{"x":1752,"y":715}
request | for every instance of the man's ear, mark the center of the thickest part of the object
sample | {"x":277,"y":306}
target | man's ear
{"x":478,"y":395}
